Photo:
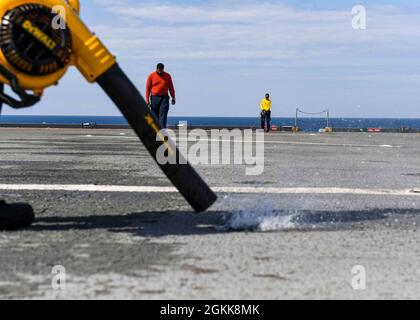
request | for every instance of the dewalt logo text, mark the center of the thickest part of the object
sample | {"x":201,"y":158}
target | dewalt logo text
{"x":41,"y":36}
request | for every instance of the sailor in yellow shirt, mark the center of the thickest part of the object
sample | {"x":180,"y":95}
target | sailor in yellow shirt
{"x":266,"y":113}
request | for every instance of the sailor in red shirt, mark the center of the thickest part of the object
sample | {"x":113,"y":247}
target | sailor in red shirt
{"x":158,"y":86}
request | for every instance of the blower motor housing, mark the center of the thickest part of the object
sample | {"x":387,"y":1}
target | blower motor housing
{"x":37,"y":49}
{"x":32,"y":46}
{"x":30,"y":43}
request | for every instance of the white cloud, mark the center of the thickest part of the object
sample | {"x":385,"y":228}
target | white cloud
{"x":224,"y":55}
{"x":253,"y":30}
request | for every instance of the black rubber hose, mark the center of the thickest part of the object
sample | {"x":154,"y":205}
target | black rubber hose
{"x":134,"y":108}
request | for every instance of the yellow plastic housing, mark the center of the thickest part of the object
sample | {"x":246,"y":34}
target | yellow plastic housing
{"x":88,"y":54}
{"x":75,"y":4}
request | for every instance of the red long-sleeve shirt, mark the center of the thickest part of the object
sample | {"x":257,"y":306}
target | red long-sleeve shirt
{"x":159,"y":85}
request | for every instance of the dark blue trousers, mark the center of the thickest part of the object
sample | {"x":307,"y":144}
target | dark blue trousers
{"x":160,"y":107}
{"x":1,"y":90}
{"x":266,"y":120}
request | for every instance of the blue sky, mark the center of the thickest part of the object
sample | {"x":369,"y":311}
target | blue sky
{"x":225,"y":55}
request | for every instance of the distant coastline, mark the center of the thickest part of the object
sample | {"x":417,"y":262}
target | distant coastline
{"x":306,"y":124}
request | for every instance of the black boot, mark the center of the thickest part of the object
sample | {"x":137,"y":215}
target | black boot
{"x":15,"y":216}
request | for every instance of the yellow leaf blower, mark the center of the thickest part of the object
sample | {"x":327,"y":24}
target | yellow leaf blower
{"x":40,"y":39}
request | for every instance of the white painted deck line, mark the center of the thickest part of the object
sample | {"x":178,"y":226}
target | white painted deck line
{"x":233,"y":190}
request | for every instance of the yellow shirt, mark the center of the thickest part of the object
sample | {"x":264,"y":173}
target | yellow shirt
{"x":265,"y":105}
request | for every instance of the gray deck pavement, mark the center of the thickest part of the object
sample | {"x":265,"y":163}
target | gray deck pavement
{"x":260,"y":245}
